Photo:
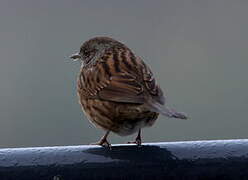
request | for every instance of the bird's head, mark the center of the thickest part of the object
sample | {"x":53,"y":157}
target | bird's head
{"x":94,"y":48}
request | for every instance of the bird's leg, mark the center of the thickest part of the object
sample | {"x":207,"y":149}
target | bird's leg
{"x":103,"y":141}
{"x":137,"y":140}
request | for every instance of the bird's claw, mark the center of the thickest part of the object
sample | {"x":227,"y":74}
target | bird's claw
{"x":103,"y":143}
{"x":137,"y":141}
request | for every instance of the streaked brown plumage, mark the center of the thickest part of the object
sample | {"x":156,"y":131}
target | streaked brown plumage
{"x":117,"y":90}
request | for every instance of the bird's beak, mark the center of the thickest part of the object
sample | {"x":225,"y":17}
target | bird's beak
{"x":75,"y":56}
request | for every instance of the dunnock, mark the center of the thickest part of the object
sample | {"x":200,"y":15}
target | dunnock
{"x":117,"y":90}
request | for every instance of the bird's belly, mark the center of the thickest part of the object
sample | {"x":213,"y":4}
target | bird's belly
{"x":129,"y":128}
{"x":133,"y":117}
{"x":121,"y":118}
{"x":99,"y":113}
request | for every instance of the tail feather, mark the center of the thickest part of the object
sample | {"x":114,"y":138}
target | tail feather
{"x":166,"y":111}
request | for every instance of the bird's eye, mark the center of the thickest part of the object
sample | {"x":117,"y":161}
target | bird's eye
{"x":86,"y":53}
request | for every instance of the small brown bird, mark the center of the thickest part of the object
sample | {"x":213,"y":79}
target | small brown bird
{"x":117,"y":90}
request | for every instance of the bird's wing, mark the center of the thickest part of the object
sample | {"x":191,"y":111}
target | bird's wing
{"x":150,"y":83}
{"x":121,"y":77}
{"x":123,"y":88}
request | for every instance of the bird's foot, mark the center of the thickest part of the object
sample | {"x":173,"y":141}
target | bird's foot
{"x":137,"y":141}
{"x":103,"y":143}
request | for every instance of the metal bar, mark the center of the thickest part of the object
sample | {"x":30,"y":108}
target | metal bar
{"x":221,"y":159}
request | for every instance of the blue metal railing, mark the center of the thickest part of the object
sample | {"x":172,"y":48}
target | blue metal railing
{"x":222,"y":159}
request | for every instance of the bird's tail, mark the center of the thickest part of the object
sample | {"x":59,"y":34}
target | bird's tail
{"x":166,"y":111}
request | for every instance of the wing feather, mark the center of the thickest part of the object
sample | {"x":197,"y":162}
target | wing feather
{"x":124,"y":84}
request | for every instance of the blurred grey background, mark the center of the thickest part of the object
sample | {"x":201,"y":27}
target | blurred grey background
{"x":198,"y":51}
